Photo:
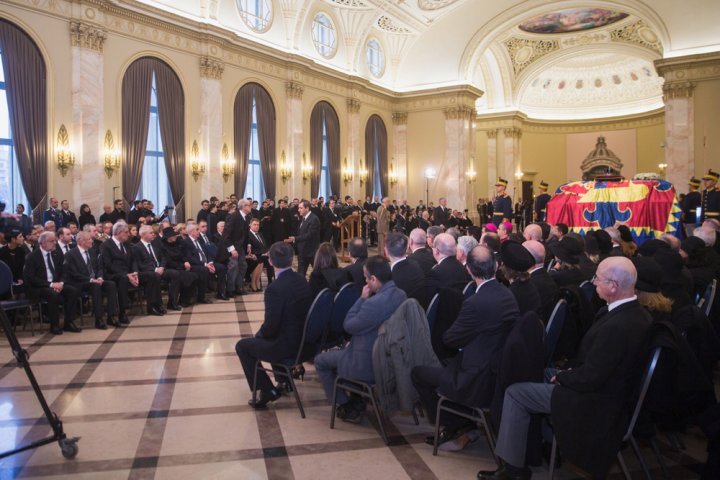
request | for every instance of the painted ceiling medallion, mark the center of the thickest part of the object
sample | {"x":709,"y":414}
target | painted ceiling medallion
{"x":571,"y":20}
{"x":434,"y":4}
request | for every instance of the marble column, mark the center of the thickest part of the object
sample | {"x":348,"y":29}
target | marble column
{"x":294,"y":186}
{"x":210,"y":135}
{"x":492,"y":167}
{"x":353,"y":150}
{"x":399,"y":156}
{"x":451,"y":178}
{"x":87,"y":134}
{"x":511,"y":153}
{"x":679,"y":133}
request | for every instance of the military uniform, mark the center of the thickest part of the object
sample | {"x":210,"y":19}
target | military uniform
{"x":54,"y":215}
{"x":541,"y":202}
{"x":689,"y":205}
{"x":710,"y":198}
{"x":502,"y":205}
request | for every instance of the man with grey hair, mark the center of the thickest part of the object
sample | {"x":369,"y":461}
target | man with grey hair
{"x":202,"y":265}
{"x":233,"y":245}
{"x":588,"y":403}
{"x":614,"y":233}
{"x":432,"y":232}
{"x":50,"y":226}
{"x":465,"y":244}
{"x":150,"y":257}
{"x":706,"y":234}
{"x":671,"y":240}
{"x":533,"y":232}
{"x":43,"y":275}
{"x":420,"y":252}
{"x":448,"y":273}
{"x":441,"y":216}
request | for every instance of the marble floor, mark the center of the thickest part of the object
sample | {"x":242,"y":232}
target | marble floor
{"x":165,"y":398}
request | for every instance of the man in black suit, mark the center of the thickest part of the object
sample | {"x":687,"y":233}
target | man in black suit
{"x":330,"y":223}
{"x":281,"y":219}
{"x":307,"y":239}
{"x":358,"y":256}
{"x":67,"y":215}
{"x":232,"y":246}
{"x":204,"y":238}
{"x":118,"y":265}
{"x":420,"y":251}
{"x":479,"y":333}
{"x":203,"y":266}
{"x":406,"y":273}
{"x":118,"y":212}
{"x":64,"y":241}
{"x":43,"y":273}
{"x":82,"y":270}
{"x":441,"y":217}
{"x":150,"y":258}
{"x":587,"y":403}
{"x":448,"y":273}
{"x":545,"y":285}
{"x":287,"y":300}
{"x":204,"y":209}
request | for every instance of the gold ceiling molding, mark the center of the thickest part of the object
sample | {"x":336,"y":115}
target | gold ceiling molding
{"x":294,"y":90}
{"x":524,"y":51}
{"x":434,"y":4}
{"x":512,"y":132}
{"x":638,"y":33}
{"x":353,"y":105}
{"x":690,"y":68}
{"x":399,"y":118}
{"x":678,"y":90}
{"x":492,"y":133}
{"x":88,"y":36}
{"x":459,"y":112}
{"x":211,"y":68}
{"x":507,"y":120}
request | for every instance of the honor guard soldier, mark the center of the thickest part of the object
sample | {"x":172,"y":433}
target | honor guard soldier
{"x":710,"y":197}
{"x":541,"y":202}
{"x":502,"y":205}
{"x":692,"y":200}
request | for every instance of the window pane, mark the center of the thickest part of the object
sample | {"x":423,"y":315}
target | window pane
{"x":6,"y":173}
{"x":4,"y":116}
{"x":152,"y":142}
{"x":254,"y":185}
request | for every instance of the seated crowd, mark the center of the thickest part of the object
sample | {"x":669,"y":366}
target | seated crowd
{"x":485,"y":280}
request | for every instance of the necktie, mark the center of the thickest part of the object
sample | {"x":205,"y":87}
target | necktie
{"x":200,"y":251}
{"x":260,"y":239}
{"x":122,"y":249}
{"x":51,"y":267}
{"x":89,"y":265}
{"x":150,"y":250}
{"x":204,"y":237}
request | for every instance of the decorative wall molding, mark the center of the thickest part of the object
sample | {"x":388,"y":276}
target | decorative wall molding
{"x":512,"y":132}
{"x":638,"y":33}
{"x":690,"y":68}
{"x":524,"y":51}
{"x":294,"y":90}
{"x":491,"y":133}
{"x":459,"y":112}
{"x":353,"y":105}
{"x":399,"y":118}
{"x":88,"y":36}
{"x":434,"y":4}
{"x":678,"y":90}
{"x":211,"y":68}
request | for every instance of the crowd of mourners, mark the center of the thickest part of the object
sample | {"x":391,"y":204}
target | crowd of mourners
{"x":492,"y":282}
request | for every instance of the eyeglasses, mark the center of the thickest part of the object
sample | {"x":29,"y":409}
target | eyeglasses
{"x":595,"y":279}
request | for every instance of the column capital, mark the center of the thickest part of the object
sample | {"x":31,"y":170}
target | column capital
{"x":294,"y":89}
{"x":459,"y":112}
{"x":399,"y":118}
{"x":353,"y":105}
{"x":512,"y":132}
{"x":211,"y":68}
{"x":88,"y":36}
{"x":491,"y":133}
{"x":678,"y":90}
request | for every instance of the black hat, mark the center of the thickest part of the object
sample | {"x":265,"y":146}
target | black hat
{"x":604,"y":241}
{"x":168,"y":232}
{"x":671,"y":264}
{"x":692,"y":245}
{"x":12,"y":233}
{"x":568,"y":250}
{"x":592,"y":247}
{"x":516,"y":257}
{"x":649,"y":274}
{"x":710,"y":175}
{"x":648,"y":248}
{"x":625,"y":234}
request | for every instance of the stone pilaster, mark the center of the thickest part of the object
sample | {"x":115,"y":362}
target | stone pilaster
{"x":399,"y":155}
{"x":458,"y":141}
{"x":293,"y":104}
{"x":492,"y":167}
{"x":210,"y":139}
{"x":511,"y":163}
{"x":87,"y":117}
{"x":354,"y":149}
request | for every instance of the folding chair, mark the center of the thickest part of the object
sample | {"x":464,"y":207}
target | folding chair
{"x":469,"y":290}
{"x":554,"y":328}
{"x":708,"y":299}
{"x":432,"y":310}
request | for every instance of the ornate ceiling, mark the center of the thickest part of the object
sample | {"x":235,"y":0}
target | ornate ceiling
{"x":549,"y":59}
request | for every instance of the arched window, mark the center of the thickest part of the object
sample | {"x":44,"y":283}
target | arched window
{"x":376,"y":153}
{"x":324,"y":35}
{"x":375,"y":57}
{"x":257,"y":14}
{"x":254,"y":114}
{"x":324,"y":151}
{"x":11,"y":188}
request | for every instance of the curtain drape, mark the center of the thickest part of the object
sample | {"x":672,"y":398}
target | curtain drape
{"x":266,"y":138}
{"x":332,"y":130}
{"x":316,"y":147}
{"x":376,"y":138}
{"x":382,"y":145}
{"x":136,"y":90}
{"x":370,"y":156}
{"x":171,"y":114}
{"x":324,"y":110}
{"x":25,"y":79}
{"x":243,"y":123}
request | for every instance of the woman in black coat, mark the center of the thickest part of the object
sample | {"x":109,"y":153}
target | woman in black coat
{"x":86,"y":216}
{"x":325,"y":273}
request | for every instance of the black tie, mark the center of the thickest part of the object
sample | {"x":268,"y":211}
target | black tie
{"x":66,"y":249}
{"x":153,"y":255}
{"x":200,"y":251}
{"x":122,"y":249}
{"x":51,"y":267}
{"x":260,"y":239}
{"x":89,"y":265}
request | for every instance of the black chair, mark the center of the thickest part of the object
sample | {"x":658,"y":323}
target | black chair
{"x":708,"y":299}
{"x":364,"y":390}
{"x":344,"y":299}
{"x":588,"y":290}
{"x":469,"y":290}
{"x":315,"y":323}
{"x":6,"y":286}
{"x":432,"y":311}
{"x":628,"y":438}
{"x":474,"y":414}
{"x":554,"y":327}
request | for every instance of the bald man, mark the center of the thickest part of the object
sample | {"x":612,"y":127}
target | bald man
{"x":539,"y":276}
{"x":588,"y":404}
{"x":533,"y":232}
{"x":449,"y":272}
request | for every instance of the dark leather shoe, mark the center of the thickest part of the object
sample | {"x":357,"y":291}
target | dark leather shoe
{"x":71,"y":327}
{"x":284,"y":387}
{"x":123,"y":321}
{"x":264,"y":398}
{"x":100,"y":325}
{"x":222,"y":297}
{"x":204,"y":301}
{"x":174,"y":306}
{"x":56,"y":330}
{"x":154,"y":311}
{"x":162,"y":309}
{"x":112,"y":322}
{"x":502,"y":474}
{"x":445,"y":435}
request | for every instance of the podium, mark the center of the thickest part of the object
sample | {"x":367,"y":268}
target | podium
{"x":349,"y":229}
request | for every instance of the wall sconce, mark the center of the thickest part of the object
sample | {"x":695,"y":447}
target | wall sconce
{"x":362,"y":173}
{"x":347,"y":173}
{"x":197,"y":167}
{"x":285,"y":168}
{"x":392,"y":176}
{"x":65,"y":157}
{"x":306,"y":169}
{"x":111,"y":155}
{"x":228,"y":165}
{"x":471,"y":174}
{"x":519,"y":175}
{"x":662,"y":166}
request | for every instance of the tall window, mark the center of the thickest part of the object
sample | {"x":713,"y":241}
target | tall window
{"x":11,"y":188}
{"x":155,"y":185}
{"x":325,"y":189}
{"x":254,"y":186}
{"x":377,"y":177}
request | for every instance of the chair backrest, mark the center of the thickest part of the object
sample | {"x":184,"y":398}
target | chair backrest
{"x":554,"y":327}
{"x":551,"y":264}
{"x":344,"y":299}
{"x":588,"y":290}
{"x":317,"y":318}
{"x":708,"y":299}
{"x":6,"y":279}
{"x":644,"y":386}
{"x":469,"y":290}
{"x":432,"y":310}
